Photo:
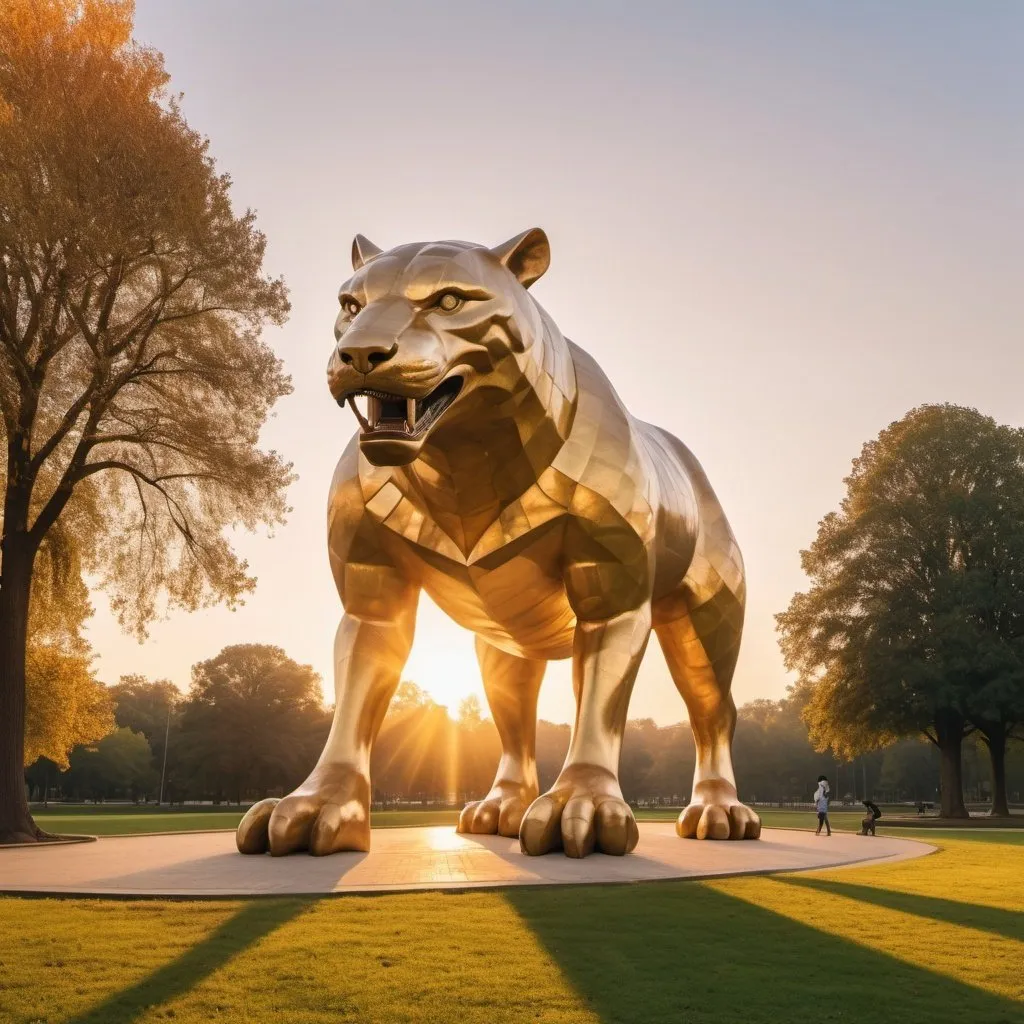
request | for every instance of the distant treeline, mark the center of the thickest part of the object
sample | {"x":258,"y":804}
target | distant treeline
{"x":253,"y":724}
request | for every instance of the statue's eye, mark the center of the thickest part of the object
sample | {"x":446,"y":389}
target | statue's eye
{"x":449,"y":302}
{"x":350,"y":306}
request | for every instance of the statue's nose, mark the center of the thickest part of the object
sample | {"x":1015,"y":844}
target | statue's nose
{"x":367,"y":354}
{"x":372,"y":337}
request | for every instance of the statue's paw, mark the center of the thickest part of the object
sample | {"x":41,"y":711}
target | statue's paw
{"x":251,"y":835}
{"x":499,"y":813}
{"x":328,"y":813}
{"x":583,"y":812}
{"x":714,"y":812}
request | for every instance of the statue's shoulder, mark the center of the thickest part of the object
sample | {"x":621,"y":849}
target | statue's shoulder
{"x":598,"y":405}
{"x":604,"y":455}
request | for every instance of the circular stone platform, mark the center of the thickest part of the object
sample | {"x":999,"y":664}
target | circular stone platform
{"x":201,"y":864}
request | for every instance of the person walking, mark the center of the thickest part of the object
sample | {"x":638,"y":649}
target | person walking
{"x":821,"y":806}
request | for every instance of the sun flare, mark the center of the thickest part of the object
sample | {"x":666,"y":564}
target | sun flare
{"x":443,"y":660}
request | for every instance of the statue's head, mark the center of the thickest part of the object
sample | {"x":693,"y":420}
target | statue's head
{"x":430,"y":333}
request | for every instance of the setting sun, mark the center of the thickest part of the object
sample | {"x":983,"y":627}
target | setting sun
{"x":447,"y":671}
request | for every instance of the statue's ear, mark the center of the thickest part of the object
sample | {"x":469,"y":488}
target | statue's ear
{"x":527,"y":255}
{"x":363,"y":250}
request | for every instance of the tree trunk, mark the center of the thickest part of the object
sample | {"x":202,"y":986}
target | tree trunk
{"x":995,"y":740}
{"x":16,"y":824}
{"x":950,"y":737}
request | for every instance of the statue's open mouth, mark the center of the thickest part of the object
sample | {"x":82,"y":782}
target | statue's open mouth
{"x":394,"y":416}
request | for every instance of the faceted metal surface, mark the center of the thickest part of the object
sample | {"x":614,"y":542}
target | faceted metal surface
{"x":496,"y":469}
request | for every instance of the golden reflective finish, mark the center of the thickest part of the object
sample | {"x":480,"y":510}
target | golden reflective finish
{"x":496,"y":469}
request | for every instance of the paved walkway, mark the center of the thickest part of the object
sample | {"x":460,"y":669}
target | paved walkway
{"x":207,"y":864}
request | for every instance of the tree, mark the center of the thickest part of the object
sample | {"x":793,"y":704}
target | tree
{"x":141,"y":705}
{"x":120,"y":765}
{"x":996,"y":733}
{"x":636,"y":762}
{"x":915,"y":616}
{"x":909,"y":770}
{"x":145,"y":707}
{"x":775,"y":759}
{"x":997,"y":711}
{"x":133,"y":381}
{"x":409,"y":695}
{"x":253,"y":721}
{"x":64,"y":703}
{"x":470,"y":712}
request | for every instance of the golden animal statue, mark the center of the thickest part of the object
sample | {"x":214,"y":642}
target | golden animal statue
{"x":496,"y":469}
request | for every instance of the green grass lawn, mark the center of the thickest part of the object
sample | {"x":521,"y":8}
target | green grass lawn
{"x":939,"y":939}
{"x":102,"y":821}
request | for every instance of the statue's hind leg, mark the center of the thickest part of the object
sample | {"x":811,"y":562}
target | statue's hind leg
{"x":701,"y":647}
{"x":512,"y":685}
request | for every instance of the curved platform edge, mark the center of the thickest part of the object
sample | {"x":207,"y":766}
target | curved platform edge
{"x":206,"y":865}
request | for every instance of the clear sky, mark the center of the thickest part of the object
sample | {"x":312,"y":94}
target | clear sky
{"x":778,"y":227}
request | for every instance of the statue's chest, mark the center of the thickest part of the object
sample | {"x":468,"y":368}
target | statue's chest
{"x":501,"y":578}
{"x":474,"y":539}
{"x":516,"y":600}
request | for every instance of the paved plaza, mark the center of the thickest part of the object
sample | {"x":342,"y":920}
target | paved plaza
{"x":207,"y":864}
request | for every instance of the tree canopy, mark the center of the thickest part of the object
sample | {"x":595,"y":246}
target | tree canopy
{"x":914,"y":621}
{"x":253,"y":721}
{"x":131,"y":301}
{"x":120,"y":765}
{"x":142,"y":705}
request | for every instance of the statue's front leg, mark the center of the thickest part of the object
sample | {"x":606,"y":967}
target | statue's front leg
{"x":584,"y":810}
{"x":330,"y":811}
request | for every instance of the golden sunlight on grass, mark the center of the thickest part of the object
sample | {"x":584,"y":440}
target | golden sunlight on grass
{"x":956,"y":913}
{"x":941,"y":938}
{"x":422,"y":957}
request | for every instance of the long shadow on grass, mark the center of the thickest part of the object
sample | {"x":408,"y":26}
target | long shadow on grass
{"x":683,"y":952}
{"x":255,"y":920}
{"x":990,"y":919}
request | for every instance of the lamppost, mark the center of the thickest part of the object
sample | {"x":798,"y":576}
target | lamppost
{"x":167,"y":735}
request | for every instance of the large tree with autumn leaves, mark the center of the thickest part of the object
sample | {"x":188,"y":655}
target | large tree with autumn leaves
{"x":914,"y":620}
{"x":133,"y":379}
